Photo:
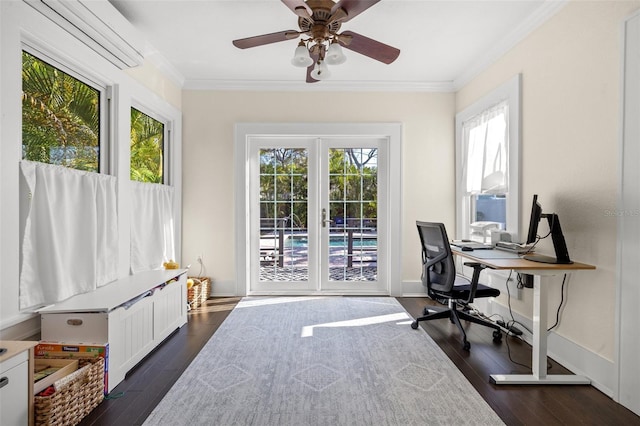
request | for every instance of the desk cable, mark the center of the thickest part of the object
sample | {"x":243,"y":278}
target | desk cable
{"x":535,"y":243}
{"x":564,"y":281}
{"x":513,"y":321}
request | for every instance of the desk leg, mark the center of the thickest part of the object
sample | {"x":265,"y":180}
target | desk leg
{"x":539,"y":348}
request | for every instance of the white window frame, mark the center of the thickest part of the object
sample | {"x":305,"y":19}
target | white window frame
{"x":166,"y":143}
{"x":510,"y":92}
{"x":44,"y":54}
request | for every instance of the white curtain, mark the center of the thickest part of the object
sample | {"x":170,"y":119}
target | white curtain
{"x":152,"y":227}
{"x":486,"y":143}
{"x":70,"y":243}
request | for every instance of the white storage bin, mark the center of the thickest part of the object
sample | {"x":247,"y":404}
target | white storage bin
{"x":76,"y":327}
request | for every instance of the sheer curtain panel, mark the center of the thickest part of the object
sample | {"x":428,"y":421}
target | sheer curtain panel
{"x":486,"y":160}
{"x":152,"y":227}
{"x":70,"y":235}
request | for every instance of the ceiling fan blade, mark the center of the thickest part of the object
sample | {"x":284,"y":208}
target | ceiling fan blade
{"x":370,"y":47}
{"x":352,"y":8}
{"x":260,"y":40}
{"x":300,"y":8}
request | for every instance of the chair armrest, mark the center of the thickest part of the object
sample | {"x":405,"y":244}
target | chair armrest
{"x":477,"y":268}
{"x":475,"y":265}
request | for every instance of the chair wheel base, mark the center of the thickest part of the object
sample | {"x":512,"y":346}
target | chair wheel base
{"x":466,"y":345}
{"x":414,"y":325}
{"x":497,"y":336}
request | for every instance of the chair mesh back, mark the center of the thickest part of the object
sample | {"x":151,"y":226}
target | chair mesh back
{"x":439,"y":276}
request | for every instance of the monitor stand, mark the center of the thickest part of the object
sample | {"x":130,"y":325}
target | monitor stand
{"x":559,"y":244}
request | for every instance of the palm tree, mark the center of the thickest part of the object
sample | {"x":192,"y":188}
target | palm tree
{"x":60,"y":117}
{"x":147,"y":140}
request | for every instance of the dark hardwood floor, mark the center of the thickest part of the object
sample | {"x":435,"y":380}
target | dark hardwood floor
{"x":144,"y":386}
{"x":519,"y":405}
{"x":134,"y":399}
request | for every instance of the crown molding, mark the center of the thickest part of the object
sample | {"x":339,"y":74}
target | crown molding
{"x":323,"y":86}
{"x":539,"y":17}
{"x":166,"y":68}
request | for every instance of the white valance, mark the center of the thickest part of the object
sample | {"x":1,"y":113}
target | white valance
{"x":152,"y":226}
{"x":486,"y":136}
{"x":99,"y":25}
{"x":70,"y":243}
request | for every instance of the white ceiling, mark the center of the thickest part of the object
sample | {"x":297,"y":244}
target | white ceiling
{"x":443,"y":43}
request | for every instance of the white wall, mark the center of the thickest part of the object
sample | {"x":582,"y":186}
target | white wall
{"x":209,"y":118}
{"x":570,"y":125}
{"x":20,"y":22}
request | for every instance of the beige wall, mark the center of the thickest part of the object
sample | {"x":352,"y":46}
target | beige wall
{"x":152,"y":78}
{"x":570,"y":151}
{"x":208,"y":146}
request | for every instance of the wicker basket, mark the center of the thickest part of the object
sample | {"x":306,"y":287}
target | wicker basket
{"x":75,"y":395}
{"x":199,"y":292}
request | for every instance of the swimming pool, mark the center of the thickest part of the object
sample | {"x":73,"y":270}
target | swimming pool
{"x":301,"y":241}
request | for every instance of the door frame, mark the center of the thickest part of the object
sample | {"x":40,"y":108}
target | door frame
{"x":627,"y":338}
{"x":391,"y":132}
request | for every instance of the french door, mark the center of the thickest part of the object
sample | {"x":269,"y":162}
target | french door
{"x":317,"y":215}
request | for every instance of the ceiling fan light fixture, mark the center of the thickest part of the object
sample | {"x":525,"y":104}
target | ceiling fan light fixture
{"x":301,"y":56}
{"x":320,"y":71}
{"x":334,"y":55}
{"x":319,"y":23}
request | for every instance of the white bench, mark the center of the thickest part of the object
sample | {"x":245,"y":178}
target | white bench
{"x":132,"y":315}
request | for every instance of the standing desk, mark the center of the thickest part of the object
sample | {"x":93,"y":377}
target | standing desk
{"x":503,"y":260}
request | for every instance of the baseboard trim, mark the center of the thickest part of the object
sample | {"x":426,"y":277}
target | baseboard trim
{"x":413,"y":289}
{"x":572,"y":356}
{"x":224,"y":289}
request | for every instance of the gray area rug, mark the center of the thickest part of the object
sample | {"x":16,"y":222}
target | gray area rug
{"x":321,"y":361}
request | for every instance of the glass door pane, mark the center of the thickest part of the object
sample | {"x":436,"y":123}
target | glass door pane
{"x":353,"y":207}
{"x":284,"y":244}
{"x":352,"y":252}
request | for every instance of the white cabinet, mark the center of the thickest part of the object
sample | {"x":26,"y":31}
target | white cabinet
{"x":132,"y":315}
{"x":16,"y":383}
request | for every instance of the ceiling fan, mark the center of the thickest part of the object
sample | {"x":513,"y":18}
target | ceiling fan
{"x":319,"y":21}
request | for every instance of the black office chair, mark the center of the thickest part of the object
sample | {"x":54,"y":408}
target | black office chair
{"x":443,"y":284}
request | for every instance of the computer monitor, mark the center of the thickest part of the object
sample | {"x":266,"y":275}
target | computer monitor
{"x":559,"y":243}
{"x":536,"y":214}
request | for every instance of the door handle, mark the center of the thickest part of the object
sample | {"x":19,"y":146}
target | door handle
{"x":324,"y":218}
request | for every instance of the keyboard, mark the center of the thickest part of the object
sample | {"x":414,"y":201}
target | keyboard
{"x":514,"y":247}
{"x":470,"y":244}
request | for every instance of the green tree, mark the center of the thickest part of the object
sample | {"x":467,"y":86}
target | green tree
{"x":147,"y":148}
{"x":60,"y":117}
{"x":283,"y":185}
{"x":353,"y":189}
